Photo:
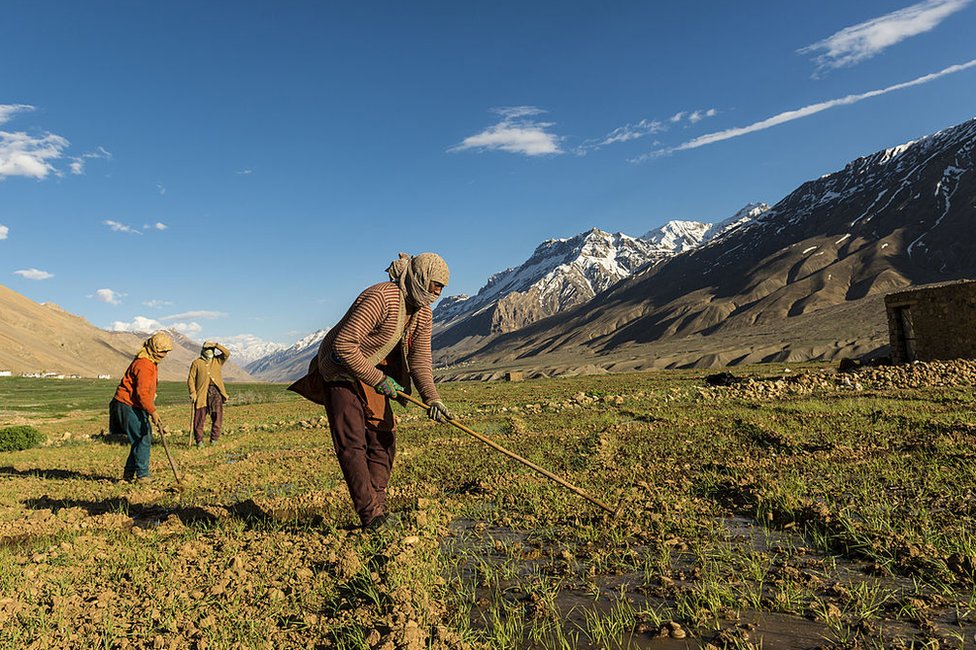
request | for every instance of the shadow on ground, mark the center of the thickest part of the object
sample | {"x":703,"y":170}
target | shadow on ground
{"x":56,"y":474}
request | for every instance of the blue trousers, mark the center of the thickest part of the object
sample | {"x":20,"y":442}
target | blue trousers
{"x":125,"y":420}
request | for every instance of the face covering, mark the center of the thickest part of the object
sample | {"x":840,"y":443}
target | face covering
{"x":414,"y":275}
{"x":208,"y":354}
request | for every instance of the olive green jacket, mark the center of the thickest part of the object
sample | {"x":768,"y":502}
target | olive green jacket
{"x":202,"y":372}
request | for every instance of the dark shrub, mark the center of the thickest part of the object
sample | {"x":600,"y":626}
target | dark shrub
{"x":19,"y":437}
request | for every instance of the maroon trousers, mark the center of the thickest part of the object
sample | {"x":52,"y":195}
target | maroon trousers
{"x":215,"y":409}
{"x":364,"y":449}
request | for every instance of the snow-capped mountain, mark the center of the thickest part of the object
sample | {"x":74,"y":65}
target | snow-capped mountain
{"x":288,"y":363}
{"x":563,"y":273}
{"x":560,"y":273}
{"x":247,"y":348}
{"x":828,"y":251}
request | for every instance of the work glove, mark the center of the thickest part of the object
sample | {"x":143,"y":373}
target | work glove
{"x":388,"y":387}
{"x":438,"y":412}
{"x":157,"y":422}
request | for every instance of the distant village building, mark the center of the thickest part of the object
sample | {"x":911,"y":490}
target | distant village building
{"x":5,"y":373}
{"x":105,"y":376}
{"x":936,"y":321}
{"x":515,"y":375}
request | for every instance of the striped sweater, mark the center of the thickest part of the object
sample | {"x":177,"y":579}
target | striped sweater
{"x":371,"y":323}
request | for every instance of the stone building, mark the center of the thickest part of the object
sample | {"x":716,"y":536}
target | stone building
{"x":936,"y":321}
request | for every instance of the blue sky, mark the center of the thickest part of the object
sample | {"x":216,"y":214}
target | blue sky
{"x":236,"y":168}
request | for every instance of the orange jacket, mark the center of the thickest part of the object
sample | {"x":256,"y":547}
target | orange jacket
{"x":138,"y":385}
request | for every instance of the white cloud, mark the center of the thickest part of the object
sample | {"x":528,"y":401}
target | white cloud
{"x":633,"y":131}
{"x":857,"y":43}
{"x":3,"y":231}
{"x":34,"y":274}
{"x":29,"y":155}
{"x":157,"y":304}
{"x":115,"y":226}
{"x":109,"y":296}
{"x":698,"y":116}
{"x":515,"y":133}
{"x":7,"y":111}
{"x":643,"y":129}
{"x":160,"y":189}
{"x":77,"y":165}
{"x":209,"y":315}
{"x":160,"y":225}
{"x":138,"y":324}
{"x":789,"y":116}
{"x":244,"y":172}
{"x":144,"y":324}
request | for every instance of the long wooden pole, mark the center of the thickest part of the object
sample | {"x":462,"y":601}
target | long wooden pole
{"x":172,"y":465}
{"x":514,"y":456}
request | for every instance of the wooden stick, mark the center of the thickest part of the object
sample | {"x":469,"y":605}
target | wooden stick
{"x":169,"y":457}
{"x":514,"y":456}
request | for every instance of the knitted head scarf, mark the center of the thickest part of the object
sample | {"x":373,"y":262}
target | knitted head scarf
{"x":155,"y":347}
{"x":414,"y":275}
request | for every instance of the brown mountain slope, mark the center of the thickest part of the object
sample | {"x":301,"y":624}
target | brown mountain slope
{"x":45,"y":338}
{"x":896,"y":218}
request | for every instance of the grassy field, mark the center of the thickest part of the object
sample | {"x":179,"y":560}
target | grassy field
{"x":797,"y":509}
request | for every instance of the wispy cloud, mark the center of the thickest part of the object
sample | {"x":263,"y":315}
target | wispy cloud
{"x":7,"y":111}
{"x":160,"y":189}
{"x":159,"y":225}
{"x":789,"y":116}
{"x":4,"y":231}
{"x":157,"y":304}
{"x":109,"y":296}
{"x":144,"y":324}
{"x":205,"y":314}
{"x":244,"y":172}
{"x":517,"y":132}
{"x":630,"y":132}
{"x":697,"y":116}
{"x":34,"y":274}
{"x":857,"y":43}
{"x":116,"y":226}
{"x":77,"y":165}
{"x":644,"y":128}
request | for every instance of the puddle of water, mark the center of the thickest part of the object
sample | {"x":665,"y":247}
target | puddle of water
{"x":527,"y":558}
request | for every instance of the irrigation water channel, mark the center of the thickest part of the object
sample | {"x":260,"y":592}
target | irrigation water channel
{"x":581,"y":597}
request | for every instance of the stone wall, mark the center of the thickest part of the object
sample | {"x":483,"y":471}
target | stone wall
{"x":933,"y":322}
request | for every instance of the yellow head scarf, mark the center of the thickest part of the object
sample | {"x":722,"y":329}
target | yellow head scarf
{"x":155,"y":347}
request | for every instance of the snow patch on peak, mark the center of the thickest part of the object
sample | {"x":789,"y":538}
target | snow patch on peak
{"x":245,"y":348}
{"x":677,"y":236}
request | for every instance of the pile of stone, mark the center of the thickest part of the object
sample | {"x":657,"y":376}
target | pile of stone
{"x":959,"y":372}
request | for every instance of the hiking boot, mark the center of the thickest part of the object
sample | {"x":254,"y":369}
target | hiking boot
{"x":128,"y":477}
{"x":199,"y":444}
{"x":144,"y":480}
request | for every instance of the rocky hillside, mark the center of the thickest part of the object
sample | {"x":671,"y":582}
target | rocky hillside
{"x":44,"y":338}
{"x":898,"y":217}
{"x":564,"y":273}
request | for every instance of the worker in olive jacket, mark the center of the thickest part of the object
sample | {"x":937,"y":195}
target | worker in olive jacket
{"x":207,"y":392}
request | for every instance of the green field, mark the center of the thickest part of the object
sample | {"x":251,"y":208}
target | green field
{"x":799,"y":509}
